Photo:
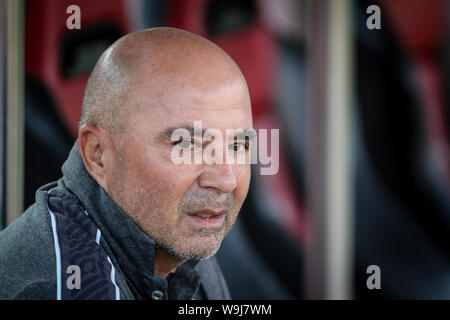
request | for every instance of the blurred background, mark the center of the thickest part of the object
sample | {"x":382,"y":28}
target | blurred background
{"x":364,"y":119}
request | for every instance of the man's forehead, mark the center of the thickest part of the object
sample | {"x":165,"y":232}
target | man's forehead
{"x":179,"y":89}
{"x":162,"y":121}
{"x":187,"y":103}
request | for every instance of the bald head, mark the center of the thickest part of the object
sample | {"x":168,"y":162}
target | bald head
{"x":159,"y":59}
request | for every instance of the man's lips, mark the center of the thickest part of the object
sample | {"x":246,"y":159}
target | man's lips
{"x":208,"y":218}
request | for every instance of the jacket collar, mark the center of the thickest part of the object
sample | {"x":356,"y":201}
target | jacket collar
{"x":131,"y":248}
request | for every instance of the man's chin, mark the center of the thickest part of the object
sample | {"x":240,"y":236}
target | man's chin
{"x":192,"y":253}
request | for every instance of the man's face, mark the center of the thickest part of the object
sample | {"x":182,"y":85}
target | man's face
{"x":186,"y":208}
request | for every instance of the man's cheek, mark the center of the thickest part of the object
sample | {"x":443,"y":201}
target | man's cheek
{"x":242,"y":190}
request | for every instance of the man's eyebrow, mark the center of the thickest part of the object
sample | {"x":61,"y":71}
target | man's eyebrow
{"x":239,"y":133}
{"x":167,"y":133}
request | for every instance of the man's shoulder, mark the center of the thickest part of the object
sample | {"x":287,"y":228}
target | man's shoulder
{"x":27,"y":258}
{"x":212,"y":280}
{"x":35,"y":290}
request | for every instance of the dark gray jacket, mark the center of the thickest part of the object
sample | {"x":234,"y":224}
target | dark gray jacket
{"x":74,"y":222}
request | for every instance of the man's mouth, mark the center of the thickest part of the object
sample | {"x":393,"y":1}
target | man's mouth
{"x":212,"y":219}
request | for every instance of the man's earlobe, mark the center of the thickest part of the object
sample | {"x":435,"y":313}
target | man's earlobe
{"x":92,"y":147}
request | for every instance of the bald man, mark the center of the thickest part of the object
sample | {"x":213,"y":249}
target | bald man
{"x":125,"y":221}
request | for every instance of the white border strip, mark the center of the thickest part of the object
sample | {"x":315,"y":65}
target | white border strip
{"x":58,"y":256}
{"x":113,"y":279}
{"x":97,"y":236}
{"x":113,"y":271}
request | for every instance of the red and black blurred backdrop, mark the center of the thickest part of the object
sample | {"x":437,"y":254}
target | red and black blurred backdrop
{"x":401,"y":136}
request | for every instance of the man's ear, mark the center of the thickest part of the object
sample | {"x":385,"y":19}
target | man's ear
{"x":96,"y":150}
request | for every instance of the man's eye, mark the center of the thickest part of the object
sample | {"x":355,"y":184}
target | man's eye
{"x":186,"y":144}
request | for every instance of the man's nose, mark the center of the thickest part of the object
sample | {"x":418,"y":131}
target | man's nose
{"x":220,"y":177}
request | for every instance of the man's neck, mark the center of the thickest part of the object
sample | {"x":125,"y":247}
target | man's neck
{"x":166,"y":263}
